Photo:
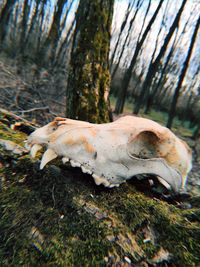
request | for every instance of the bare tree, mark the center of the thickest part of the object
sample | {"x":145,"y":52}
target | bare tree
{"x":32,"y":21}
{"x":166,"y":67}
{"x":127,"y":76}
{"x":40,"y":23}
{"x":138,"y":5}
{"x":182,"y":76}
{"x":23,"y":26}
{"x":155,"y":64}
{"x":52,"y":39}
{"x":123,"y":25}
{"x":64,"y":44}
{"x":4,"y":19}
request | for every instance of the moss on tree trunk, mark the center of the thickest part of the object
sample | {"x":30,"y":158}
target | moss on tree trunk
{"x":89,"y":77}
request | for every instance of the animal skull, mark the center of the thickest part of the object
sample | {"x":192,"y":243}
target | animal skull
{"x":115,"y":152}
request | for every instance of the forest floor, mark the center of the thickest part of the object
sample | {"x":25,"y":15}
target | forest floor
{"x":59,"y":217}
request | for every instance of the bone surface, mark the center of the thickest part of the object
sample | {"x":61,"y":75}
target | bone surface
{"x":47,"y":157}
{"x":117,"y":151}
{"x":35,"y":148}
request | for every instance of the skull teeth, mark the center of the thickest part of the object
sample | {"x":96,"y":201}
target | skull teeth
{"x":75,"y":163}
{"x":65,"y":160}
{"x":48,"y":155}
{"x":100,"y":180}
{"x":86,"y":170}
{"x":35,"y":148}
{"x":163,"y":182}
{"x":151,"y":182}
{"x":113,"y":185}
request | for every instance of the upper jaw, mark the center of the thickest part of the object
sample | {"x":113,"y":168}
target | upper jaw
{"x":172,"y":182}
{"x":32,"y":140}
{"x":34,"y":145}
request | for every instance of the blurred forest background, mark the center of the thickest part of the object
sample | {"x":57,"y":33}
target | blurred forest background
{"x":153,"y":59}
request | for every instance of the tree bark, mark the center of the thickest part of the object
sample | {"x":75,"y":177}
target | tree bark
{"x":89,"y":77}
{"x":182,"y":76}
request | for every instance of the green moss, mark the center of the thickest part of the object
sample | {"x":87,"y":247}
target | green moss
{"x":55,"y":205}
{"x":75,"y":239}
{"x":172,"y":225}
{"x":8,"y":134}
{"x":80,"y":224}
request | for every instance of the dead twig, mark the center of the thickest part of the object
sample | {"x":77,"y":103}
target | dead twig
{"x":31,"y":110}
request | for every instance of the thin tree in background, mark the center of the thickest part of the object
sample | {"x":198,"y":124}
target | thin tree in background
{"x":128,"y":74}
{"x":89,"y":77}
{"x":23,"y":26}
{"x":158,"y":89}
{"x":182,"y":76}
{"x":32,"y":21}
{"x":54,"y":34}
{"x":137,"y":8}
{"x":155,"y":64}
{"x":123,"y":25}
{"x":40,"y":23}
{"x":62,"y":49}
{"x":4,"y":19}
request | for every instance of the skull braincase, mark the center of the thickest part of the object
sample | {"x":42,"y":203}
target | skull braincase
{"x":115,"y":152}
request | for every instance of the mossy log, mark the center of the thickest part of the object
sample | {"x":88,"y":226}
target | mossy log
{"x":59,"y":217}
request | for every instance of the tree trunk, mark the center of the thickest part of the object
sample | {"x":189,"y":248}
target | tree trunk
{"x":64,"y":45}
{"x":89,"y":77}
{"x":127,"y":76}
{"x":23,"y":26}
{"x":138,"y":5}
{"x":152,"y":95}
{"x":4,"y":19}
{"x":182,"y":76}
{"x":40,"y":32}
{"x":51,"y":42}
{"x":154,"y":66}
{"x":123,"y":25}
{"x":33,"y":21}
{"x":196,"y":133}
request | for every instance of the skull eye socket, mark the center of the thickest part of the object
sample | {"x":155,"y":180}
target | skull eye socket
{"x":144,"y":145}
{"x":52,"y":129}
